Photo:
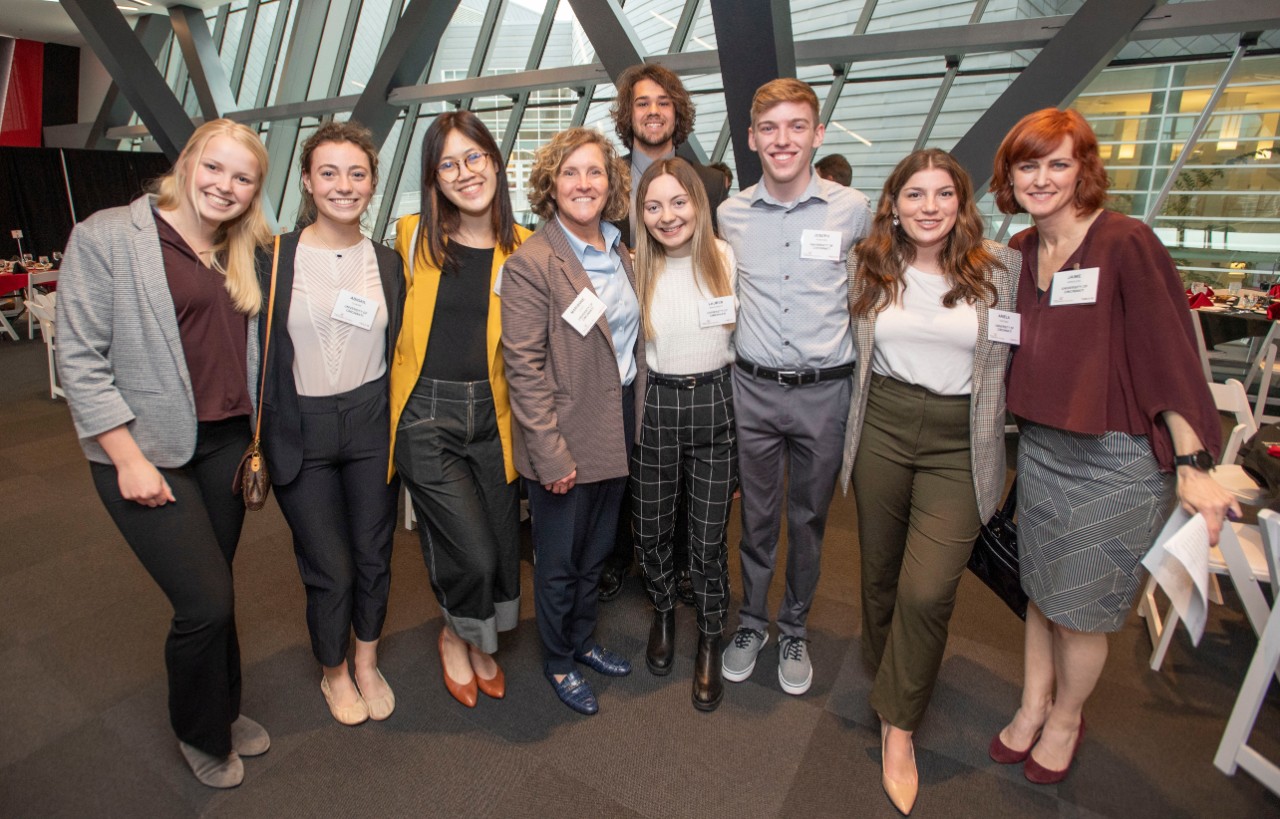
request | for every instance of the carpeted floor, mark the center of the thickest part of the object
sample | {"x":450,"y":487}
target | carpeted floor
{"x":85,"y":729}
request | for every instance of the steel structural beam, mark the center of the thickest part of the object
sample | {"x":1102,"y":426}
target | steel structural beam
{"x":684,"y":28}
{"x":295,"y":80}
{"x":344,"y":46}
{"x":414,"y":41}
{"x":204,"y":66}
{"x":152,"y":31}
{"x":105,"y":30}
{"x":536,"y":50}
{"x":242,"y":48}
{"x":1081,"y":49}
{"x":484,"y":41}
{"x":278,"y":26}
{"x":752,"y":62}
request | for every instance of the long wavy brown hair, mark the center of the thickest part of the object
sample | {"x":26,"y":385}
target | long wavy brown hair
{"x":709,"y":266}
{"x":548,"y":160}
{"x":884,"y":255}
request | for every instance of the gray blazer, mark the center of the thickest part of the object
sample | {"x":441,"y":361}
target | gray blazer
{"x":120,"y":357}
{"x":986,"y":402}
{"x":565,"y":392}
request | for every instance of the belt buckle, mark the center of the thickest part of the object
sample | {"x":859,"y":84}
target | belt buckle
{"x":783,"y":375}
{"x":688,"y":382}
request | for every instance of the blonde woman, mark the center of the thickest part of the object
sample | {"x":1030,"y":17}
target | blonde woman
{"x":158,"y":354}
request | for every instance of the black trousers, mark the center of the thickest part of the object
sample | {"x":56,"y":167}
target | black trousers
{"x":687,"y":450}
{"x":343,"y":515}
{"x":187,"y":548}
{"x":449,"y":454}
{"x":573,"y":534}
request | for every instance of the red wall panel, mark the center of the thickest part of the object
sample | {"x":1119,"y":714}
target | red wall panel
{"x":23,"y":108}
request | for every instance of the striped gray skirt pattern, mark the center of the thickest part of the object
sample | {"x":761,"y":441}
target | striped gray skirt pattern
{"x":1089,"y":507}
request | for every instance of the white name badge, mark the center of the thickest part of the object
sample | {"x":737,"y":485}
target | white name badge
{"x":354,"y":310}
{"x":1005,"y":326}
{"x":584,"y":312}
{"x":820,"y":244}
{"x":1074,"y":287}
{"x":714,"y":312}
{"x":497,"y":281}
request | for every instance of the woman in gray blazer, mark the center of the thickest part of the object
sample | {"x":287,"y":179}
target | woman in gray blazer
{"x":158,"y":354}
{"x":574,"y":354}
{"x":925,"y":436}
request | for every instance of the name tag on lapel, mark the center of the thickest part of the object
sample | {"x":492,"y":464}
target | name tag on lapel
{"x":584,"y":312}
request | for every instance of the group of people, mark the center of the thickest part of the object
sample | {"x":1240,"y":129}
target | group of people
{"x":653,"y":349}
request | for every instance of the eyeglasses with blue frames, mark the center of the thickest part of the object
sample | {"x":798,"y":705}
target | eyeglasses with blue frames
{"x":451,"y":169}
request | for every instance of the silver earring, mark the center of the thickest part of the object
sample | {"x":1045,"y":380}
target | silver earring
{"x":895,"y":220}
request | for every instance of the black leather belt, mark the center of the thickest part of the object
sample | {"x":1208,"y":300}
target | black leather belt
{"x":688,"y":382}
{"x":794,"y":378}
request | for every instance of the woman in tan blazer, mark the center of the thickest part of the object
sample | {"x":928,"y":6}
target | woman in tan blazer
{"x":574,"y":353}
{"x":925,"y":438}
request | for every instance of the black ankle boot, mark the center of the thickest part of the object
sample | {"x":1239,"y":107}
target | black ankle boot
{"x":708,"y":689}
{"x":662,"y":643}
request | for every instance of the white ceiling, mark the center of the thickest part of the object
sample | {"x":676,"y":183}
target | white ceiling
{"x":46,"y":22}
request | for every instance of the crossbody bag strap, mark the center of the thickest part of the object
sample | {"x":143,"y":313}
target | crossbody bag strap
{"x":266,"y":345}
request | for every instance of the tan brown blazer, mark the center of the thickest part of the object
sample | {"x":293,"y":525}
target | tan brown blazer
{"x":565,"y":392}
{"x":986,"y":402}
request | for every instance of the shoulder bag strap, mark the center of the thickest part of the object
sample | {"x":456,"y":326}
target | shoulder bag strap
{"x":266,"y":345}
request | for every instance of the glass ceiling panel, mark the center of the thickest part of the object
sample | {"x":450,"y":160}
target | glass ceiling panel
{"x":513,"y":38}
{"x":365,"y":46}
{"x":257,"y":56}
{"x":568,"y":44}
{"x":654,"y":22}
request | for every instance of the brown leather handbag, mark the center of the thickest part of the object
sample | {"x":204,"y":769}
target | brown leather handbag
{"x":252,"y":480}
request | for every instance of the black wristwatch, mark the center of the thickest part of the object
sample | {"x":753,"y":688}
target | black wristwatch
{"x":1201,"y":460}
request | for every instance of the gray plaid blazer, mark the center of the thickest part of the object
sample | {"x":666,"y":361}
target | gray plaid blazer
{"x":986,"y":402}
{"x":120,"y":355}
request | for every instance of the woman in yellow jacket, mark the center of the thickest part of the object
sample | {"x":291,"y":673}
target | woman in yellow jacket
{"x":450,"y":415}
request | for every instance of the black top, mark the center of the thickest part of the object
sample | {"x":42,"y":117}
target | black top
{"x":214,"y":336}
{"x":457,"y":349}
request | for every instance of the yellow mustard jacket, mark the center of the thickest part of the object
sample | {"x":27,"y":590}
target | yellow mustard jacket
{"x":423,"y":285}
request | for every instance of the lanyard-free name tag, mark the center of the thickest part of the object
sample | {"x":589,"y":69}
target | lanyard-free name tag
{"x":714,"y":312}
{"x":584,"y":312}
{"x":1005,"y":326}
{"x":354,"y":310}
{"x":1074,"y":287}
{"x":820,"y":244}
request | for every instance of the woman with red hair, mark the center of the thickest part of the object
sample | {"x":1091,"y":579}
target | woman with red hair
{"x":1116,"y":423}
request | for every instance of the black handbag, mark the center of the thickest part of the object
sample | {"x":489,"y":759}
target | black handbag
{"x":995,"y":555}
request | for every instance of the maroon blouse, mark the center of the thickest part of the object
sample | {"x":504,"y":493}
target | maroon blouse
{"x":1114,"y":365}
{"x":214,"y":336}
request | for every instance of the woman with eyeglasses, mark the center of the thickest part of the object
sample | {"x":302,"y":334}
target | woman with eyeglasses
{"x":450,"y":416}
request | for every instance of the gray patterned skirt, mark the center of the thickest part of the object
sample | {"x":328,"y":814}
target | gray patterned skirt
{"x":1089,"y":507}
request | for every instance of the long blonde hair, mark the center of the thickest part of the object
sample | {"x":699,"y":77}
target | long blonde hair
{"x":235,"y":241}
{"x":709,"y":267}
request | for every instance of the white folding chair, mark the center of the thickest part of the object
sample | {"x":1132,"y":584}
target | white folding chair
{"x":35,"y":281}
{"x":1267,"y":368}
{"x":43,"y":312}
{"x":1234,"y":750}
{"x":1230,"y":398}
{"x":1255,"y":366}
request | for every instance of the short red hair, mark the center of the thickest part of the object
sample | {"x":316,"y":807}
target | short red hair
{"x":1035,"y":136}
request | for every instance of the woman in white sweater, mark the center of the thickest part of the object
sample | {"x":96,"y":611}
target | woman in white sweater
{"x":687,"y":444}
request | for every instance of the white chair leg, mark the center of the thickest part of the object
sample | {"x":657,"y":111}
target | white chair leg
{"x":1169,"y":628}
{"x":1233,"y":750}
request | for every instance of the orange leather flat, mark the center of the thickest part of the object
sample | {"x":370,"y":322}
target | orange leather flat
{"x":465,"y":694}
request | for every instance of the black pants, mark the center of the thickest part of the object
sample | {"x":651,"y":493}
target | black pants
{"x":449,"y":454}
{"x":343,"y":516}
{"x":688,"y":451}
{"x":187,"y":548}
{"x":573,"y":534}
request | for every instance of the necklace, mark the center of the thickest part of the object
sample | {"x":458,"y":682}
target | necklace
{"x":315,"y":234}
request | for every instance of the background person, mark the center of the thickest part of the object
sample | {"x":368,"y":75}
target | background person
{"x":574,"y":353}
{"x":1113,"y":412}
{"x":687,"y":445}
{"x":325,"y":426}
{"x":159,"y":359}
{"x":925,"y":439}
{"x":835,"y":168}
{"x":450,"y":407}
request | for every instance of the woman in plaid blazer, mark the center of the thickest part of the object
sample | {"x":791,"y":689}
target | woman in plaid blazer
{"x":925,"y":437}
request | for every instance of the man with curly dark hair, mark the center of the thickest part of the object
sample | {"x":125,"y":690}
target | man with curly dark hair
{"x":653,"y":115}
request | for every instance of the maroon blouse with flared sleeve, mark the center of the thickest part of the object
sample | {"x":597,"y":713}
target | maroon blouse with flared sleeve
{"x":1114,"y":365}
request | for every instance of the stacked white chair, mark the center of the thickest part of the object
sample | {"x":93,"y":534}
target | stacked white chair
{"x":42,"y":309}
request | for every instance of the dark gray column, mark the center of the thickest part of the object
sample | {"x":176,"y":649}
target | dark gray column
{"x":135,"y":73}
{"x":1084,"y":46}
{"x":152,"y":31}
{"x":204,"y":66}
{"x":411,"y":46}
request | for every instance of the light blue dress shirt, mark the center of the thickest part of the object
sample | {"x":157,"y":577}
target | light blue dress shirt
{"x":609,"y":279}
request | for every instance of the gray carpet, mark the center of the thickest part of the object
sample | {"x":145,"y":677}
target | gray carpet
{"x":85,"y":728}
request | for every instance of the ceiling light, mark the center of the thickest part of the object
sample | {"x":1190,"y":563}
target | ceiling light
{"x":852,"y":134}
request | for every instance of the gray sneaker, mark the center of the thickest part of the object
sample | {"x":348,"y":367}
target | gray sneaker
{"x":795,"y":672}
{"x":740,"y":657}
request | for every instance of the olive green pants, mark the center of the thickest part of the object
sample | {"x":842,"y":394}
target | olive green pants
{"x":917,"y":520}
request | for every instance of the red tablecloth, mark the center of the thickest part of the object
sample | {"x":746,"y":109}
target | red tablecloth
{"x":12,"y":282}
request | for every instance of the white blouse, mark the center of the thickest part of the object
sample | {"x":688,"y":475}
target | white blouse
{"x":918,"y":341}
{"x":330,"y":356}
{"x":680,"y":345}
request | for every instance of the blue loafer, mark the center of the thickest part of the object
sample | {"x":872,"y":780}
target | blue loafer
{"x":605,"y":662}
{"x":574,"y":692}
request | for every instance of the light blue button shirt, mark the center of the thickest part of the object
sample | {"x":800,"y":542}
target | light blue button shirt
{"x":609,"y":278}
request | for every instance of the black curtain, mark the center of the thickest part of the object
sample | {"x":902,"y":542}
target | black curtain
{"x":105,"y":179}
{"x":33,"y":199}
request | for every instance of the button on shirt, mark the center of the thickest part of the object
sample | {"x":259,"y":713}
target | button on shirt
{"x":793,"y":312}
{"x":609,"y":280}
